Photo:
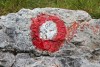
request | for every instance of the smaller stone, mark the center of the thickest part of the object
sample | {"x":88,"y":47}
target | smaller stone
{"x":6,"y":59}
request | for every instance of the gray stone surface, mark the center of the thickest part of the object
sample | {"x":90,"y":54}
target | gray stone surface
{"x":17,"y":50}
{"x":6,"y":59}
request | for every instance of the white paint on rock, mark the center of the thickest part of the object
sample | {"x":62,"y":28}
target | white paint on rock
{"x":48,"y":30}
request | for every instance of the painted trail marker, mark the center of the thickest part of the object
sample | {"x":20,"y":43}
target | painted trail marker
{"x":63,"y":37}
{"x":48,"y":32}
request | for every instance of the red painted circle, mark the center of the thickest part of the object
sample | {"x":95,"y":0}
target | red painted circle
{"x":48,"y":45}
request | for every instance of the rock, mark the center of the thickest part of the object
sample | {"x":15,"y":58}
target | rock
{"x":25,"y":60}
{"x":46,"y":62}
{"x":71,"y":62}
{"x":17,"y":25}
{"x":15,"y":32}
{"x":16,"y":46}
{"x":22,"y":60}
{"x":6,"y":59}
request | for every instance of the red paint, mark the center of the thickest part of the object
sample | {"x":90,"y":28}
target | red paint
{"x":48,"y":45}
{"x":72,"y":30}
{"x":62,"y":32}
{"x":95,"y":28}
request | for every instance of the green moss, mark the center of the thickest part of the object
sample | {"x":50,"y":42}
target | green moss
{"x":91,"y":6}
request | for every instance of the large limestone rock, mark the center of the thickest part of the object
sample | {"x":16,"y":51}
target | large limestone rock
{"x":17,"y":49}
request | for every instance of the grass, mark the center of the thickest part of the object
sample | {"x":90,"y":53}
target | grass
{"x":91,"y":6}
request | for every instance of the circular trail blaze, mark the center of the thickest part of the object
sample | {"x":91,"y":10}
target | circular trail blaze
{"x":48,"y":32}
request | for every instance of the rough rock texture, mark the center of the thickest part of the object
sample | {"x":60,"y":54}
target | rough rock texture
{"x":16,"y":49}
{"x":6,"y":59}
